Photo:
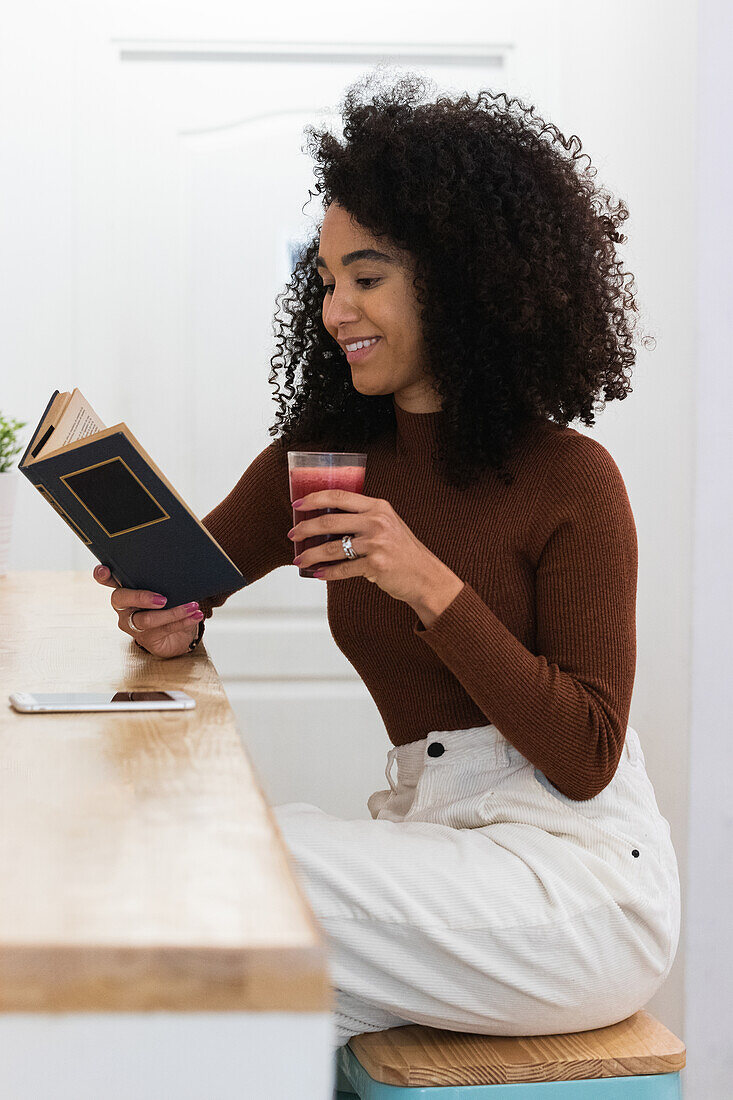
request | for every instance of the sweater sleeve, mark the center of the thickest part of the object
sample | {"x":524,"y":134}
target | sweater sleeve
{"x":565,"y":707}
{"x":252,"y":522}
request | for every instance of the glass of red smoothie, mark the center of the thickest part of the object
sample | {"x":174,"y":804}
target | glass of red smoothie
{"x":313,"y":471}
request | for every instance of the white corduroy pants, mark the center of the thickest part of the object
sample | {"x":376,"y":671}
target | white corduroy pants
{"x":479,"y":898}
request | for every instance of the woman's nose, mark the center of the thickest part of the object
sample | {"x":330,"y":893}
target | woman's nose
{"x":340,"y":310}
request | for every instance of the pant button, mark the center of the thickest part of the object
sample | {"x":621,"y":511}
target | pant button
{"x":436,"y":749}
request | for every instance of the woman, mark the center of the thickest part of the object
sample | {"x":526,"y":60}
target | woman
{"x":517,"y":876}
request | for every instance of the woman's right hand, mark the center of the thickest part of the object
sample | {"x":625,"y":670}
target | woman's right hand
{"x":165,"y":632}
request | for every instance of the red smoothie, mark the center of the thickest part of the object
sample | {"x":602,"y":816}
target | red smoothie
{"x":313,"y":479}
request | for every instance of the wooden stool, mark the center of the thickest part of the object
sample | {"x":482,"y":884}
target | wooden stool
{"x":637,"y":1058}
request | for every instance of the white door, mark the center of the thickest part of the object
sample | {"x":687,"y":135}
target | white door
{"x":209,"y":182}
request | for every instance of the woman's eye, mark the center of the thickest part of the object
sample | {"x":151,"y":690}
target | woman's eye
{"x":330,"y":286}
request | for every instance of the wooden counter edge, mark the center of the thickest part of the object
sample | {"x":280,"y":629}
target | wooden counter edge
{"x":58,"y":978}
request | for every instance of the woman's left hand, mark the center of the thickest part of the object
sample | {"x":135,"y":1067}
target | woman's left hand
{"x":389,"y":554}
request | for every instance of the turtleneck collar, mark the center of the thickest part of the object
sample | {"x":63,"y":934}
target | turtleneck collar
{"x":417,"y":433}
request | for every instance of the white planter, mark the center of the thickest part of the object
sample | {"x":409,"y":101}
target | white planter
{"x":8,"y":488}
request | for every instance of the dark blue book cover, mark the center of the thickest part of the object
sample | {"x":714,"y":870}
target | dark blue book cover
{"x":114,"y":498}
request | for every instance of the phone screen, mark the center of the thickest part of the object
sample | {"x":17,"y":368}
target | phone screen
{"x":81,"y":698}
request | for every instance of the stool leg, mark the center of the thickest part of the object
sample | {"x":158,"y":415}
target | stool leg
{"x":344,"y":1089}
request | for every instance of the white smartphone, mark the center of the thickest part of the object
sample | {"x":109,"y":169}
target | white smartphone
{"x":34,"y":703}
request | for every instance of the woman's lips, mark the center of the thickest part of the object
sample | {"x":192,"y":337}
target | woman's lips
{"x":362,"y":353}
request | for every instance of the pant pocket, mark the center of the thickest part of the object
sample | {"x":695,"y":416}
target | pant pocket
{"x":458,"y":795}
{"x":619,"y":834}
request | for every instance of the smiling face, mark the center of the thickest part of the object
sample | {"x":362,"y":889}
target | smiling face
{"x":372,"y":296}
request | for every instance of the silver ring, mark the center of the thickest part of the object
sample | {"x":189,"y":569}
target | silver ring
{"x":349,"y":550}
{"x":130,"y":623}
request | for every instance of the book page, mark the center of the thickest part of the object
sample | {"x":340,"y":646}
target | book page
{"x":77,"y":421}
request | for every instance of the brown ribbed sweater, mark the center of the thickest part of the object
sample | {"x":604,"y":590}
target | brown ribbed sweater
{"x":541,"y":639}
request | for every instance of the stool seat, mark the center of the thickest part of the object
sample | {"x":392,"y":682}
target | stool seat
{"x":415,"y":1057}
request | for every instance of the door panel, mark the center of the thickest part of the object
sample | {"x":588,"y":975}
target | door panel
{"x":211,"y":202}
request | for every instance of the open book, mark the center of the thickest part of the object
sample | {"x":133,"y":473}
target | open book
{"x":108,"y":490}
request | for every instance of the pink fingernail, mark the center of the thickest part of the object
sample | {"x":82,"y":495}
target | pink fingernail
{"x":319,"y":573}
{"x":297,"y":503}
{"x":160,"y":600}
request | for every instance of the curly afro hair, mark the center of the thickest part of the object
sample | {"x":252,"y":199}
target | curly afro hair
{"x":521,"y":297}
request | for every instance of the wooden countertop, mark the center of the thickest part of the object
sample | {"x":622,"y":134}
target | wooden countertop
{"x":140,"y":867}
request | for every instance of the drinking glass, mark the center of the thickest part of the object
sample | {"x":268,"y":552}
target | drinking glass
{"x":313,"y":471}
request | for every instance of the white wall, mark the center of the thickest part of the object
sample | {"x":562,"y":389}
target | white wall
{"x":52,"y":89}
{"x":709,"y":947}
{"x":628,"y":91}
{"x":624,"y":81}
